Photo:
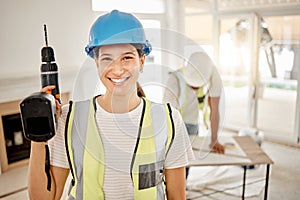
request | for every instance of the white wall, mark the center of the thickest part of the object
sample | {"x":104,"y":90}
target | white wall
{"x":22,"y":34}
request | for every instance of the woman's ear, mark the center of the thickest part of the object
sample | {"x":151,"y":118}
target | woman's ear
{"x":142,"y":61}
{"x":96,"y":61}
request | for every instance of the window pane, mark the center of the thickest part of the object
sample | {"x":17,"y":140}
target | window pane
{"x":234,"y":67}
{"x":279,"y":63}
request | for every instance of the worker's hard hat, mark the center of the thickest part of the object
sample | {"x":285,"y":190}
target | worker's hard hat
{"x":117,"y":28}
{"x":198,"y":70}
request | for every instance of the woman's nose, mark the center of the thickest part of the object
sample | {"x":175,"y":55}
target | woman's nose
{"x":117,"y":67}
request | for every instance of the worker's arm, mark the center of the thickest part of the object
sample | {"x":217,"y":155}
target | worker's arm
{"x":214,"y":123}
{"x":175,"y":183}
{"x":37,"y":179}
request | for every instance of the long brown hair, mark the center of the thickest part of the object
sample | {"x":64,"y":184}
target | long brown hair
{"x":140,"y":90}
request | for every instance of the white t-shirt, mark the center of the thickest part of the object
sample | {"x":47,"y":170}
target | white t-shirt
{"x":190,"y":106}
{"x":119,"y":133}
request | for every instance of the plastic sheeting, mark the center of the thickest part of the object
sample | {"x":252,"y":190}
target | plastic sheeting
{"x":208,"y":181}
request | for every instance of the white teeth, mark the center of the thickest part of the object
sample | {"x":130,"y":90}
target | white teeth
{"x":118,"y":80}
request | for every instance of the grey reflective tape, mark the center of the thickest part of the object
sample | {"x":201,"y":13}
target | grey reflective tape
{"x":161,"y":133}
{"x":160,"y":192}
{"x":160,"y":129}
{"x":80,"y":122}
{"x":71,"y":197}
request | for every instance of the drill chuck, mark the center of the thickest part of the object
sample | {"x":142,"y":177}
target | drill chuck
{"x":49,"y":69}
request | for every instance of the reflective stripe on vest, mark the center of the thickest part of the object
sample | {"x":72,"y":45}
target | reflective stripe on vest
{"x":86,"y":157}
{"x":183,"y":92}
{"x":203,"y":105}
{"x":201,"y":98}
{"x":183,"y":96}
{"x":182,"y":88}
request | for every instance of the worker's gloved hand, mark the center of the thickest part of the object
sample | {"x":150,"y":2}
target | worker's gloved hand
{"x":48,"y":89}
{"x":217,"y":147}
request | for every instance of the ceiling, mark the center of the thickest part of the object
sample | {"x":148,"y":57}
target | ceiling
{"x":239,"y":4}
{"x":234,"y":4}
{"x":282,"y":27}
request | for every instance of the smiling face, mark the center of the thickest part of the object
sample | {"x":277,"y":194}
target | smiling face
{"x":119,"y":66}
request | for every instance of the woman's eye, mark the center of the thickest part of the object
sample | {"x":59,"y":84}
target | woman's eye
{"x":106,"y":59}
{"x":127,"y":57}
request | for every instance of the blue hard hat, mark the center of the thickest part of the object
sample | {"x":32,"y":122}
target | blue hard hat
{"x":117,"y":28}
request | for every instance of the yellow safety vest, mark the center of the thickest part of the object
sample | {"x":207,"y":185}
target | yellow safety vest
{"x":183,"y":96}
{"x":203,"y":105}
{"x":87,"y":159}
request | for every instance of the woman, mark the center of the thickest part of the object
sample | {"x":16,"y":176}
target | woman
{"x":117,"y":145}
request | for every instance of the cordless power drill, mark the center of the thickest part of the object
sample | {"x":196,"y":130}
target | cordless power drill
{"x":38,"y":111}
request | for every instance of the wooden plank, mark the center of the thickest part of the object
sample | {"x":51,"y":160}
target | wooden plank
{"x":253,"y":150}
{"x":205,"y":157}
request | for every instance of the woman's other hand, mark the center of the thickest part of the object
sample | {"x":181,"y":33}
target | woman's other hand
{"x":48,"y":89}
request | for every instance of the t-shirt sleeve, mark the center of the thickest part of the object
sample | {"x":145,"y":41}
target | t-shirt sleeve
{"x":58,"y":154}
{"x":216,"y":86}
{"x":180,"y":152}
